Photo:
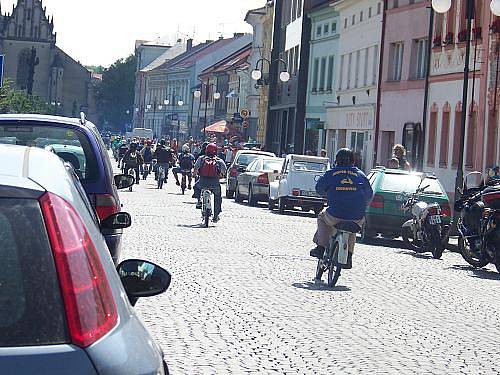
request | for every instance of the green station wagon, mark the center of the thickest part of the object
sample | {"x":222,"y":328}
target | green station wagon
{"x":384,"y":215}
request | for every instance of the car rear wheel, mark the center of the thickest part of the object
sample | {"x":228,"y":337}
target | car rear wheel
{"x":238,"y":198}
{"x":366,"y":236}
{"x":252,"y":199}
{"x":281,"y":205}
{"x":271,"y":204}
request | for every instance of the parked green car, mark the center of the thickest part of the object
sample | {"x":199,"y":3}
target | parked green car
{"x":384,"y":215}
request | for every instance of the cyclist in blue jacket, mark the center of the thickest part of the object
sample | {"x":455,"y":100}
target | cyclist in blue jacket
{"x":348,"y":192}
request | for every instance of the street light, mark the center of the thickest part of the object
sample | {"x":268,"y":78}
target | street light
{"x":257,"y":72}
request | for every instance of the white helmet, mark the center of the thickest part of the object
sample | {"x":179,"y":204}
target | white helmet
{"x":186,"y":148}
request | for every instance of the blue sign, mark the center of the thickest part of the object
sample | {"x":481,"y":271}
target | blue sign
{"x":2,"y":59}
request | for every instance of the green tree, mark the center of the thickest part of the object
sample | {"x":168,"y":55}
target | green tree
{"x":115,"y":93}
{"x":17,"y":101}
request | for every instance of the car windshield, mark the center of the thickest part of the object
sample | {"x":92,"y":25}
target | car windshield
{"x":70,"y":145}
{"x":308,"y":166}
{"x":273,"y":165}
{"x":32,"y":312}
{"x":246,"y":159}
{"x":408,"y":183}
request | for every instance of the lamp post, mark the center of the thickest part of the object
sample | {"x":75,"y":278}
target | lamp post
{"x":257,"y":72}
{"x":197,"y":94}
{"x":443,"y":6}
{"x":180,"y":103}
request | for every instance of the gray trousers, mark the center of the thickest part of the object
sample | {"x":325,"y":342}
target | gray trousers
{"x":326,"y":229}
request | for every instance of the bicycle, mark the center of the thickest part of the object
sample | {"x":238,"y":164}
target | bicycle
{"x":131,"y":172}
{"x":161,"y":176}
{"x":185,"y":174}
{"x":335,"y":256}
{"x":207,"y":198}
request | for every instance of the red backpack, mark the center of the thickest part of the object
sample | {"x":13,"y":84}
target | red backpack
{"x":209,"y":168}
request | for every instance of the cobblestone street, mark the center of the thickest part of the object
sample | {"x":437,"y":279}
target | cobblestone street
{"x":242,"y":298}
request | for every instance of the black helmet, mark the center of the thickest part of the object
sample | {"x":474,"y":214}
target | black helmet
{"x":344,"y":158}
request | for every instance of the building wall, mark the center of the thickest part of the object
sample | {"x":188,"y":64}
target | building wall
{"x":406,"y":25}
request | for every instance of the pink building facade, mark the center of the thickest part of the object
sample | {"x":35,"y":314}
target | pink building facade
{"x":403,"y":78}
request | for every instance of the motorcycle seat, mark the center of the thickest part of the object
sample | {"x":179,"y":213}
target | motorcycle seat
{"x":348,"y":226}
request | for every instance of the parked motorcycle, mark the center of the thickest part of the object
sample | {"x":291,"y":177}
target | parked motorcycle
{"x":479,"y":221}
{"x":424,"y":231}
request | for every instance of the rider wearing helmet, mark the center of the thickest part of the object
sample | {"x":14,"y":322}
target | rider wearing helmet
{"x":186,"y":163}
{"x":147,"y":156}
{"x":132,"y":160}
{"x":349,"y":193}
{"x":211,"y":169}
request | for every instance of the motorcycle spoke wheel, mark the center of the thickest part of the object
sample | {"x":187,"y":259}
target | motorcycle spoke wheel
{"x":413,"y":244}
{"x":469,"y":256}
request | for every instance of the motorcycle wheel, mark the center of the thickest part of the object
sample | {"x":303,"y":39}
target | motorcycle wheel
{"x":469,"y":256}
{"x":437,"y":243}
{"x":411,"y":243}
{"x":334,"y":267}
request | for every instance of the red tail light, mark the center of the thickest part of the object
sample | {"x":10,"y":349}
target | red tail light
{"x":434,"y":211}
{"x":263,"y":179}
{"x":105,"y":205}
{"x":446,"y":209}
{"x":377,"y":201}
{"x":296,"y":192}
{"x":234,"y":172}
{"x":90,"y":308}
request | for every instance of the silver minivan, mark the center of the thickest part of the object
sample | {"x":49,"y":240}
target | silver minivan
{"x":65,"y":309}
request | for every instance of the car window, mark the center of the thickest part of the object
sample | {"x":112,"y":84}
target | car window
{"x":272,"y":165}
{"x":251,"y":166}
{"x":308,"y":166}
{"x":32,"y":311}
{"x":372,"y":177}
{"x":83,"y":195}
{"x":408,"y":183}
{"x":70,"y":145}
{"x":245,"y":159}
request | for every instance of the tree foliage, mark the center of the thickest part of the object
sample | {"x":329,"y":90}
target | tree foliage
{"x":17,"y":101}
{"x":115,"y":94}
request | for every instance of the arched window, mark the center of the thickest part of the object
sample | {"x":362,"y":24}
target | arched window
{"x":23,"y":68}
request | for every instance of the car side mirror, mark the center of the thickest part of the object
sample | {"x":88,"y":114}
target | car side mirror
{"x":141,"y":278}
{"x":120,"y":220}
{"x":124,"y":181}
{"x":241,"y":169}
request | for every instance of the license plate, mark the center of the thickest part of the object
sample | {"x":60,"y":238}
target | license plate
{"x":305,"y":193}
{"x":435,"y":219}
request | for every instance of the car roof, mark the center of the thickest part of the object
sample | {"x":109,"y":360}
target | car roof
{"x":265,"y":153}
{"x":27,"y":118}
{"x":402,"y":172}
{"x":315,"y":159}
{"x":35,"y":169}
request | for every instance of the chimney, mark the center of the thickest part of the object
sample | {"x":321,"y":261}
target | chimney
{"x":189,"y":44}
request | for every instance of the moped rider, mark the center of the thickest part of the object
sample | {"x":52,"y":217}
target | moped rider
{"x":186,"y":162}
{"x":349,"y":192}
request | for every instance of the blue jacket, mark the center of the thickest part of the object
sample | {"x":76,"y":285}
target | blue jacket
{"x":348,"y":192}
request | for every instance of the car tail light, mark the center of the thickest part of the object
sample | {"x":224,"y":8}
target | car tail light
{"x":446,"y":209}
{"x":90,"y":308}
{"x":105,"y":205}
{"x":296,"y":192}
{"x":234,"y":172}
{"x":377,"y":201}
{"x":263,"y":179}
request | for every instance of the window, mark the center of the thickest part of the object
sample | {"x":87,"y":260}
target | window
{"x":395,"y":3}
{"x":329,"y":82}
{"x":361,"y":16}
{"x":326,"y":28}
{"x":299,"y":8}
{"x":365,"y":73}
{"x":345,"y":23}
{"x":318,"y":30}
{"x":375,"y":65}
{"x":370,"y":12}
{"x":341,"y":72}
{"x":296,"y":59}
{"x":408,"y":183}
{"x":420,"y":59}
{"x":294,"y":10}
{"x":349,"y":65}
{"x":308,"y":166}
{"x":457,"y":132}
{"x":315,"y":75}
{"x":396,"y":61}
{"x":379,"y":8}
{"x":445,"y":133}
{"x":32,"y":312}
{"x":431,"y":151}
{"x":358,"y":64}
{"x":470,"y":156}
{"x":353,"y":19}
{"x":334,"y":28}
{"x":321,"y":85}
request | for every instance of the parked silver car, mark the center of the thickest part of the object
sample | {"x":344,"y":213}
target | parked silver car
{"x":64,"y":306}
{"x":253,"y":184}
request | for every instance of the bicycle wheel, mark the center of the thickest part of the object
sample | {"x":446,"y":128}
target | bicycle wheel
{"x":206,"y":219}
{"x":334,"y":267}
{"x":320,"y":269}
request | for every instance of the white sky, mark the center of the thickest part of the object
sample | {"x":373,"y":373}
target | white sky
{"x":97,"y":32}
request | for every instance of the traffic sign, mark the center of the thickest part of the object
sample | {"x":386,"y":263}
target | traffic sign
{"x":2,"y":59}
{"x":244,"y":113}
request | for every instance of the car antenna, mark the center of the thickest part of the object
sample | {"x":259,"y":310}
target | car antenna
{"x":83,"y":120}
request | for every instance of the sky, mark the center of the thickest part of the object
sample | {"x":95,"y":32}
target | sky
{"x":98,"y":32}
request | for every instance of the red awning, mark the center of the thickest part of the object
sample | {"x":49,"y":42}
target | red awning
{"x":218,"y":127}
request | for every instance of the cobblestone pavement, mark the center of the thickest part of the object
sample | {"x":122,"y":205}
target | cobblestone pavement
{"x":242,"y":298}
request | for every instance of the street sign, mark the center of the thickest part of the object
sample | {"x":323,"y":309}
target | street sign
{"x":244,"y":113}
{"x":245,"y":124}
{"x":2,"y":59}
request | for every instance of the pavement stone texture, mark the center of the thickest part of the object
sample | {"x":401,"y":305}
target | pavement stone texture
{"x":242,"y":299}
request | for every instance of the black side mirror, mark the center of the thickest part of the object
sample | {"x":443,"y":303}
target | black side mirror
{"x":124,"y":181}
{"x":120,"y":220}
{"x":141,"y":278}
